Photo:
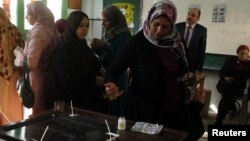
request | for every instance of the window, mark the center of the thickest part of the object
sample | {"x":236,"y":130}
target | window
{"x":13,"y":9}
{"x":10,"y":7}
{"x":56,"y":8}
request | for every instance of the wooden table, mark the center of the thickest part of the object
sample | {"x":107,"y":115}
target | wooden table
{"x":68,"y":128}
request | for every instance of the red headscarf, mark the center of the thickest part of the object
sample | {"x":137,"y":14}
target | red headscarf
{"x":242,"y":47}
{"x":60,"y":25}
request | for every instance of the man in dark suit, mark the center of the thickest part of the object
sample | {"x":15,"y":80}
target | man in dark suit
{"x":195,"y":39}
{"x":195,"y":36}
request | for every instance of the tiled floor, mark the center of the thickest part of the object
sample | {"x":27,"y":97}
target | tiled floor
{"x":204,"y":137}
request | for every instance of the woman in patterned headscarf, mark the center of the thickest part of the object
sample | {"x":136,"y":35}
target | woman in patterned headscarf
{"x":38,"y":49}
{"x":156,"y":57}
{"x":10,"y":103}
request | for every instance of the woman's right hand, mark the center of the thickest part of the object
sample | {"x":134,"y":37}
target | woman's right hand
{"x":229,"y":79}
{"x":18,"y":50}
{"x":97,"y":44}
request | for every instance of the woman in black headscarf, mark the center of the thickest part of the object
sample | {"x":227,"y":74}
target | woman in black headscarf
{"x":75,"y":64}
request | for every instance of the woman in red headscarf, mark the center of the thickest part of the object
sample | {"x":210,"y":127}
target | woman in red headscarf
{"x":232,"y":83}
{"x":60,"y":25}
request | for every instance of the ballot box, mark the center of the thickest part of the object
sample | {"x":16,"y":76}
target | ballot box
{"x":84,"y":125}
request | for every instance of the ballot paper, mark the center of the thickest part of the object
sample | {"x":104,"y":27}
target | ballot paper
{"x":147,"y":128}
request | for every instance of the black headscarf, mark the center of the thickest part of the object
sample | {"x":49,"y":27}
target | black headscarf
{"x":73,"y":21}
{"x":77,"y":73}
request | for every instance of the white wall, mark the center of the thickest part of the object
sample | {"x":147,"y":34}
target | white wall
{"x":223,"y":37}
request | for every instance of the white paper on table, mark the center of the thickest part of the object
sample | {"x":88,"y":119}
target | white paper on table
{"x":147,"y":128}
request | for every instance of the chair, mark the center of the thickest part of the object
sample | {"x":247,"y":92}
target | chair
{"x":199,"y":93}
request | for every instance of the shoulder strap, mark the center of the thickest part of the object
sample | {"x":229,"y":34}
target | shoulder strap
{"x":25,"y":72}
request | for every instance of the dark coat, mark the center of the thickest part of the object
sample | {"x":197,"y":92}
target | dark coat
{"x":147,"y":88}
{"x":197,"y":45}
{"x":239,"y":82}
{"x":146,"y":91}
{"x":76,"y":68}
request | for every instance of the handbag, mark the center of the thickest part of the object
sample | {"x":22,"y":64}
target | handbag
{"x":23,"y":87}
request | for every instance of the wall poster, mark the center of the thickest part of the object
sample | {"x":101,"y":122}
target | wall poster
{"x":74,"y":4}
{"x":219,"y":13}
{"x":127,"y":10}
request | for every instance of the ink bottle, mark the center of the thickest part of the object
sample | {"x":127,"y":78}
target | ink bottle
{"x":121,"y":123}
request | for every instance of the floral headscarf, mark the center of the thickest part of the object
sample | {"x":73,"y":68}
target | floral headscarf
{"x":10,"y":37}
{"x":172,"y":40}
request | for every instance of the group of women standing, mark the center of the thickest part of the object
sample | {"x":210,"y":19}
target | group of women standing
{"x":66,"y":67}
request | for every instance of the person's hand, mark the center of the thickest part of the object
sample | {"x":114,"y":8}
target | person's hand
{"x":247,"y":58}
{"x":112,"y":89}
{"x":97,"y":44}
{"x":229,"y":79}
{"x":189,"y":78}
{"x":188,"y":75}
{"x":18,"y":50}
